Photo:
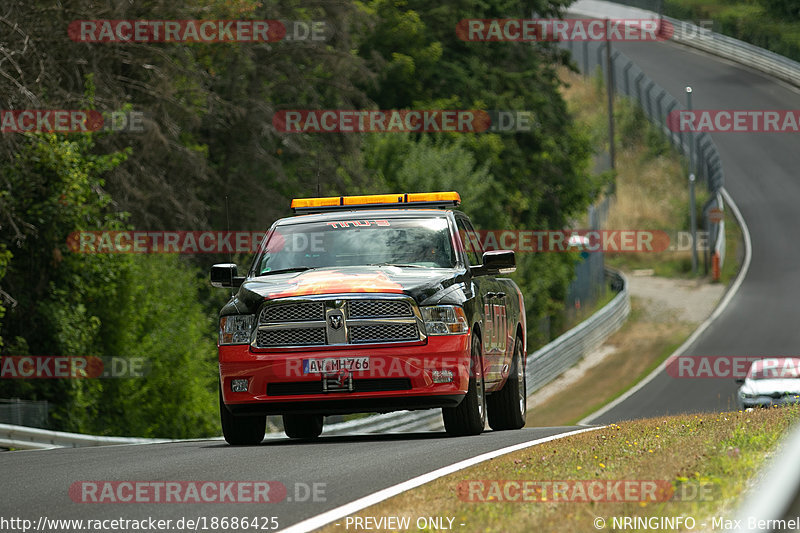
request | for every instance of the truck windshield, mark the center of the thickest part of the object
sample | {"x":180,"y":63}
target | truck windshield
{"x":407,"y":242}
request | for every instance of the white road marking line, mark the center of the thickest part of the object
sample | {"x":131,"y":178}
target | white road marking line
{"x":376,"y":497}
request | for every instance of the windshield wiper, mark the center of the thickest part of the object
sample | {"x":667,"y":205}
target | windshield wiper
{"x":284,"y":270}
{"x":398,"y":265}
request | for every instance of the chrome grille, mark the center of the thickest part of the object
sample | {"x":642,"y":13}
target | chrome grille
{"x":291,"y":337}
{"x":378,"y":308}
{"x":383,"y":333}
{"x":296,"y":312}
{"x":298,"y":322}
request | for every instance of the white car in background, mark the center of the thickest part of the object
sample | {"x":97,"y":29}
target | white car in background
{"x":773,"y":381}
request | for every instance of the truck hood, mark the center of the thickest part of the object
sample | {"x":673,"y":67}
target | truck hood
{"x":419,"y":283}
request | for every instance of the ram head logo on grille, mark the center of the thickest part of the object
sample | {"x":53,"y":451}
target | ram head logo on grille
{"x":335,"y":321}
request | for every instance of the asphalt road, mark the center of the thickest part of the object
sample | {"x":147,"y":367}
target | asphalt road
{"x":37,"y":483}
{"x":761,"y":173}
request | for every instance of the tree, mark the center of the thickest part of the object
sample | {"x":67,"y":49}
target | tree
{"x":536,"y":179}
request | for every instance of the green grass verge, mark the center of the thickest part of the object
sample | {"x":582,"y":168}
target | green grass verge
{"x":702,"y":465}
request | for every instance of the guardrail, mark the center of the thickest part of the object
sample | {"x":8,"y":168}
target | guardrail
{"x":696,"y":36}
{"x":741,"y":52}
{"x":656,"y":103}
{"x":543,"y":366}
{"x":776,"y":495}
{"x":551,"y":360}
{"x":27,"y":438}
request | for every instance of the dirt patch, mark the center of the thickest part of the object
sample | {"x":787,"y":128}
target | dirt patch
{"x":685,"y":300}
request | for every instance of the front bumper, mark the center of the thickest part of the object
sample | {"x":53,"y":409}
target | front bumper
{"x":399,"y":378}
{"x":768,"y":401}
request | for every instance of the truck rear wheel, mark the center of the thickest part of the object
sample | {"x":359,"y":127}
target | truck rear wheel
{"x":507,"y":406}
{"x":469,"y":417}
{"x":241,"y":430}
{"x":302,"y":426}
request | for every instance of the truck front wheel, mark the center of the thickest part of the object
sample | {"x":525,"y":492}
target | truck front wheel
{"x":302,"y":426}
{"x":241,"y":430}
{"x":507,"y":406}
{"x":469,"y":417}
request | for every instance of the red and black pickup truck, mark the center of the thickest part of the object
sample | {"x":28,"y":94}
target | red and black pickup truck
{"x":371,"y":304}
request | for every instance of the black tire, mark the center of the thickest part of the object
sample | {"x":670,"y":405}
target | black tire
{"x":469,"y":417}
{"x":302,"y":426}
{"x":241,"y":430}
{"x":507,"y":406}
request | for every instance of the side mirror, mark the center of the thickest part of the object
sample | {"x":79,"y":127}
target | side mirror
{"x":498,"y":262}
{"x":740,"y":381}
{"x":225,"y":275}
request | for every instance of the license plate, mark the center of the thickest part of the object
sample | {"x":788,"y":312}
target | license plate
{"x":335,"y":364}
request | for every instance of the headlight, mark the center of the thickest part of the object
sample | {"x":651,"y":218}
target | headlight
{"x":444,"y":320}
{"x":235,"y":329}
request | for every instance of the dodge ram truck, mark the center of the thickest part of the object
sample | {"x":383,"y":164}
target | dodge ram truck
{"x":371,"y":304}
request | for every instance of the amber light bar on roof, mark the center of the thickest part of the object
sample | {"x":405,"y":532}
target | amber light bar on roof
{"x":419,"y":199}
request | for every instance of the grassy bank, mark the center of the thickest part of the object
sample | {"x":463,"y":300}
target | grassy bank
{"x":701,"y":465}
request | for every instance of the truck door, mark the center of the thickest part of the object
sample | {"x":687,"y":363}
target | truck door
{"x":491,"y":301}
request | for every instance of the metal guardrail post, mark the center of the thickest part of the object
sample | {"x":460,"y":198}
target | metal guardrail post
{"x":626,"y":76}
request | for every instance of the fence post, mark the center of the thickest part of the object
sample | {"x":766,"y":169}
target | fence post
{"x":661,"y":120}
{"x":586,"y":58}
{"x":649,"y":99}
{"x":639,"y":87}
{"x":627,"y":70}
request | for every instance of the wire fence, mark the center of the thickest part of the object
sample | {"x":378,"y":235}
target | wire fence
{"x":590,"y":283}
{"x":661,"y":108}
{"x":23,"y":412}
{"x":657,"y":104}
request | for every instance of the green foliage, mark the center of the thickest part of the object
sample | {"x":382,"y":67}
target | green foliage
{"x":632,"y":124}
{"x":789,"y":9}
{"x":154,"y":315}
{"x":526,"y":180}
{"x":403,"y":163}
{"x":71,"y":304}
{"x":208,"y":118}
{"x":5,"y":259}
